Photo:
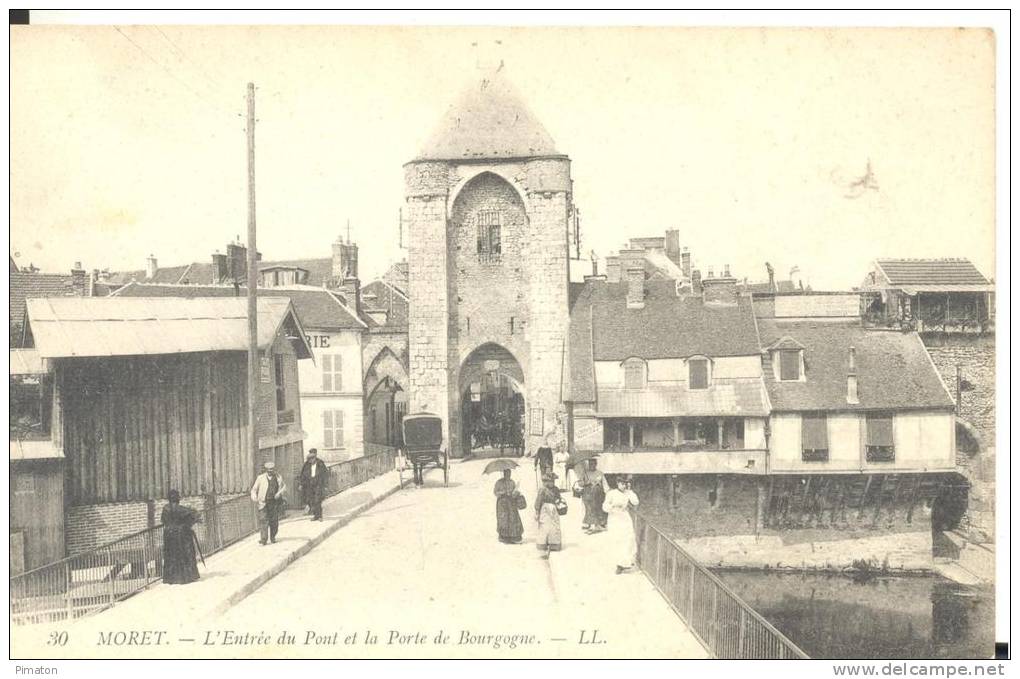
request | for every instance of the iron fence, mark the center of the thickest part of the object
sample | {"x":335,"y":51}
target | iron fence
{"x":91,"y":581}
{"x":727,"y":626}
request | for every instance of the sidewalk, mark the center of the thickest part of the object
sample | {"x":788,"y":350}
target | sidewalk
{"x":235,"y":572}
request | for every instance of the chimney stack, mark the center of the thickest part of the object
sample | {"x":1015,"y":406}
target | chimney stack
{"x":636,"y":288}
{"x":721,"y":290}
{"x":851,"y":379}
{"x":685,"y":263}
{"x":726,"y":271}
{"x":345,"y":272}
{"x":150,"y":267}
{"x":673,"y":245}
{"x":220,"y":267}
{"x":613,"y":274}
{"x":710,"y":273}
{"x":237,"y":262}
{"x":78,"y":279}
{"x":696,"y":286}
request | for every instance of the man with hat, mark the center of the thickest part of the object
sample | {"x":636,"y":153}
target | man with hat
{"x":313,"y":483}
{"x":267,"y":494}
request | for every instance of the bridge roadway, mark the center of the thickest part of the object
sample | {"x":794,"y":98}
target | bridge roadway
{"x":418,"y":563}
{"x":428,"y":560}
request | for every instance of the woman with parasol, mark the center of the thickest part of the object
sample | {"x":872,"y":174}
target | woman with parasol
{"x":509,"y":503}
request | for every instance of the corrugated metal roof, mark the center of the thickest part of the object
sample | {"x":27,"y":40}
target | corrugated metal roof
{"x":35,"y":450}
{"x":27,"y":362}
{"x":116,"y":326}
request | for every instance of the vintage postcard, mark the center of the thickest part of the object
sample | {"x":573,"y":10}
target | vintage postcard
{"x":510,"y":342}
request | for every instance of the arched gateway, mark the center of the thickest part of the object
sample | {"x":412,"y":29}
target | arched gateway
{"x":492,"y":403}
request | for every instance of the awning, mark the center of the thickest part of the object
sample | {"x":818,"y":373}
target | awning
{"x":911,"y":290}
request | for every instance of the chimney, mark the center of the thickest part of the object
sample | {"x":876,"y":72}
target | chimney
{"x":726,"y":271}
{"x":351,"y":290}
{"x":673,"y":245}
{"x":613,"y":274}
{"x":237,"y":262}
{"x":711,"y":274}
{"x":220,"y":267}
{"x":722,"y":290}
{"x":150,"y":266}
{"x":851,"y":379}
{"x":345,"y":260}
{"x":685,"y":263}
{"x":635,"y":288}
{"x":78,"y":279}
{"x":696,"y":287}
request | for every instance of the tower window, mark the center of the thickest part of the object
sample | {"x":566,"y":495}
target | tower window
{"x":489,"y":241}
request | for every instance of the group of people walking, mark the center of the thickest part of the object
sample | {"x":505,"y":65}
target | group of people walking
{"x":603,"y":511}
{"x":180,"y":544}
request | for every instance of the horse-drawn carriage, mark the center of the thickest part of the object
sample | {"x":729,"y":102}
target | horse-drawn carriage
{"x":423,"y":446}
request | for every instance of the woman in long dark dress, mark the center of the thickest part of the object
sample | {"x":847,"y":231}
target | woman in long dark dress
{"x":508,"y":517}
{"x":179,"y":565}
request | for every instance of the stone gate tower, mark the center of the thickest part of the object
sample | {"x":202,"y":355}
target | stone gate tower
{"x":489,"y":206}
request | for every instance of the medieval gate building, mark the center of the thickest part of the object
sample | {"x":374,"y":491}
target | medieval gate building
{"x":489,"y":212}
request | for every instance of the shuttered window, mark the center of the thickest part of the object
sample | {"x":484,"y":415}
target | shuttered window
{"x":332,"y":429}
{"x":332,"y":379}
{"x":814,"y":438}
{"x":281,"y":390}
{"x":789,"y":364}
{"x":698,"y":373}
{"x":879,"y":445}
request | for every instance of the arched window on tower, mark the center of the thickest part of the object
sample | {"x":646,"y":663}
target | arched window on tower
{"x":490,"y":246}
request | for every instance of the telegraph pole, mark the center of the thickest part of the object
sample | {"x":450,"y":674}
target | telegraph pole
{"x":253,"y":343}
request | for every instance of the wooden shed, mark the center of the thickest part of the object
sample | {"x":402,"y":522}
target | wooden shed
{"x":36,"y":466}
{"x":150,"y":394}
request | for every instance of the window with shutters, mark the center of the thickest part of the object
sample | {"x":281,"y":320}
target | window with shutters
{"x":789,"y":365}
{"x":490,"y":246}
{"x":697,"y":377}
{"x":878,"y":445}
{"x":332,"y":380}
{"x":332,"y":429}
{"x":634,"y":374}
{"x":814,"y":438}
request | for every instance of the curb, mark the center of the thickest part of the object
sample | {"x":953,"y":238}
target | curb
{"x":248,"y":588}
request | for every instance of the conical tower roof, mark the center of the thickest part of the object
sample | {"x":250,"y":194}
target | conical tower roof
{"x":490,"y":120}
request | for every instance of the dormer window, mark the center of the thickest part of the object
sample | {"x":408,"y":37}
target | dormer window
{"x":789,"y":365}
{"x":634,"y":373}
{"x":697,"y":373}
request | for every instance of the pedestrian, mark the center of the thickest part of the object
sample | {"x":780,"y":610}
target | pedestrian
{"x":544,"y":457}
{"x":547,"y":506}
{"x":621,"y":525}
{"x":508,"y":510}
{"x":593,"y":494}
{"x":267,"y":494}
{"x":179,"y":565}
{"x":313,"y":483}
{"x":560,"y":459}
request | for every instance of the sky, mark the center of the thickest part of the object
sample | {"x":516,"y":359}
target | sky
{"x":130,"y":141}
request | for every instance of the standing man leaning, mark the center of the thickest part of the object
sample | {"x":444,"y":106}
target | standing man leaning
{"x":267,"y":494}
{"x":313,"y":483}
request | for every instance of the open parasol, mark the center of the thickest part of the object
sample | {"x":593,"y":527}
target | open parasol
{"x":499,"y":465}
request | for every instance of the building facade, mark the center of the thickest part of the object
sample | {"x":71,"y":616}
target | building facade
{"x":489,"y":210}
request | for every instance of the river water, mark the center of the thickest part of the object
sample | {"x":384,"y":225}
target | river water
{"x":832,"y":616}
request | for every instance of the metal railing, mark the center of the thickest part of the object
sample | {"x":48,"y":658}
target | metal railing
{"x":91,"y":581}
{"x":727,"y":626}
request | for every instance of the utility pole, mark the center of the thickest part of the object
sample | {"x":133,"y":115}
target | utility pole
{"x":253,"y":343}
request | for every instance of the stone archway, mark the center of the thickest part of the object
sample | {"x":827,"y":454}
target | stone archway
{"x":490,"y":403}
{"x":385,"y":407}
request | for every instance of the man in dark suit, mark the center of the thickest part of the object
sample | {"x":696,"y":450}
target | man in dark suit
{"x":314,"y":476}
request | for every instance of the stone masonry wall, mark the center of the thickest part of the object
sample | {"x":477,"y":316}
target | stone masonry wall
{"x":976,"y":357}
